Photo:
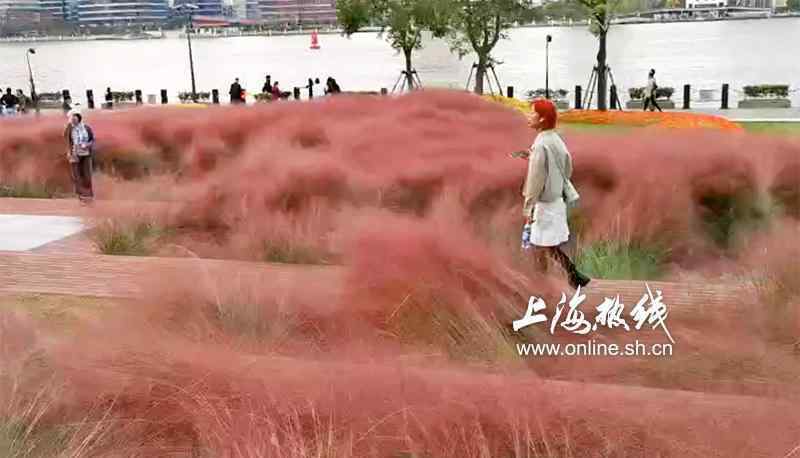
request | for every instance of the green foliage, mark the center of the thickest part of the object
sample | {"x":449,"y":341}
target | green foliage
{"x":289,"y":252}
{"x":638,"y":93}
{"x":767,"y":90}
{"x":122,"y":96}
{"x":617,"y":260}
{"x":134,"y":238}
{"x":29,"y":191}
{"x":477,"y":25}
{"x":793,"y":5}
{"x":201,"y":96}
{"x":555,"y":94}
{"x":354,"y":15}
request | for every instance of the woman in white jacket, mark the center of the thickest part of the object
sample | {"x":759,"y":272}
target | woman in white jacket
{"x":546,"y":191}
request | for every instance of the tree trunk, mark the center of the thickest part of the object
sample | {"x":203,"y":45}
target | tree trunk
{"x":409,"y":69}
{"x":480,"y":74}
{"x":602,"y":83}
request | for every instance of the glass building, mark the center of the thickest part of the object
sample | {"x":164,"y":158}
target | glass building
{"x":121,"y":12}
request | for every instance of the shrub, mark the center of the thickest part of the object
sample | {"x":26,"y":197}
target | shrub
{"x":263,"y":97}
{"x":201,"y":96}
{"x":122,"y":96}
{"x":127,"y":238}
{"x":767,"y":90}
{"x":290,"y":252}
{"x":556,"y":94}
{"x":618,"y":260}
{"x":29,"y":191}
{"x":638,"y":93}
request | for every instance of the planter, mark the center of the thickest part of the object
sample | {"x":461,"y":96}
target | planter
{"x":639,"y":104}
{"x":765,"y":103}
{"x":562,"y":104}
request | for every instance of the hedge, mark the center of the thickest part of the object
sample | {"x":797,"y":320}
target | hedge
{"x":767,"y":90}
{"x":638,"y":93}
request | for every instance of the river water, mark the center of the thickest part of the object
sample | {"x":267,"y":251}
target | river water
{"x":703,"y":54}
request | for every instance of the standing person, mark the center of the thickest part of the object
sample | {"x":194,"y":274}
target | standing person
{"x":80,"y":140}
{"x":547,"y":191}
{"x":236,"y":92}
{"x":267,"y":88}
{"x":276,"y":92}
{"x":23,"y":101}
{"x":109,"y":98}
{"x":332,"y":87}
{"x":10,"y":103}
{"x":650,"y":92}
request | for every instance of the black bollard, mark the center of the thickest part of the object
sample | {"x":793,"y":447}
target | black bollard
{"x":138,"y":95}
{"x":725,"y":89}
{"x":578,"y":101}
{"x":510,"y":92}
{"x":296,"y":93}
{"x":164,"y":99}
{"x":215,"y":96}
{"x":687,"y":95}
{"x":384,"y":91}
{"x":90,"y":99}
{"x":310,"y":89}
{"x":613,"y":97}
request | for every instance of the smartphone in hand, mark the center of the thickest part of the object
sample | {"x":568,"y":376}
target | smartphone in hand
{"x":520,"y":154}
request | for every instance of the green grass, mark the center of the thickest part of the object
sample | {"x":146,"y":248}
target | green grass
{"x":773,"y":128}
{"x":615,"y":260}
{"x":137,"y":238}
{"x":29,"y":191}
{"x":288,"y":252}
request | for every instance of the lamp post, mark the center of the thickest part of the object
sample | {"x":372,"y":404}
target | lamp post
{"x":34,"y":98}
{"x":188,"y":9}
{"x":547,"y":66}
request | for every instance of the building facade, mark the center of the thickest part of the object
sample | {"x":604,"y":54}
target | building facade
{"x":110,"y":13}
{"x":212,"y":8}
{"x":297,"y":12}
{"x":19,"y":16}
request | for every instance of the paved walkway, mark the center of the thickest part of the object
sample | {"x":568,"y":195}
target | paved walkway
{"x":71,"y":266}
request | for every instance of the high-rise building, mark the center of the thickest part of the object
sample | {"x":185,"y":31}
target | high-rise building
{"x":204,"y":7}
{"x":18,"y":16}
{"x":298,"y":12}
{"x":94,"y":13}
{"x":56,"y":9}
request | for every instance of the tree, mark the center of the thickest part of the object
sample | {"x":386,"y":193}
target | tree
{"x":600,"y":12}
{"x":401,"y":21}
{"x":793,"y":5}
{"x":478,"y":25}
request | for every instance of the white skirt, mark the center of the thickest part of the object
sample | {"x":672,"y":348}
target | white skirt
{"x":549,"y":226}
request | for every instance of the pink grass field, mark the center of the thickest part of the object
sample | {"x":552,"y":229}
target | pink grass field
{"x":400,"y":345}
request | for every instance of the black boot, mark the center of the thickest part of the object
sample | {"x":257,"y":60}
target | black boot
{"x":577,"y":279}
{"x":574,"y":277}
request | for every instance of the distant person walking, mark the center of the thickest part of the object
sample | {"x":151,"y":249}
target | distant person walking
{"x":24,"y":102}
{"x":236,"y":92}
{"x":650,"y":92}
{"x":547,"y":191}
{"x":109,"y":99}
{"x":9,"y":103}
{"x":276,"y":91}
{"x":80,"y":140}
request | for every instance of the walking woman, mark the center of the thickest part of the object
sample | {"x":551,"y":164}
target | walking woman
{"x":80,"y":140}
{"x":547,"y":191}
{"x":651,"y":92}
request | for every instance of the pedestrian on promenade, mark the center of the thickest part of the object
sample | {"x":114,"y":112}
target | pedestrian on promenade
{"x":109,"y":99}
{"x":276,"y":91}
{"x":236,"y":92}
{"x":650,"y":92}
{"x":80,"y":141}
{"x":267,"y":88}
{"x":332,"y":87}
{"x":24,"y":102}
{"x":546,"y":193}
{"x":10,"y":102}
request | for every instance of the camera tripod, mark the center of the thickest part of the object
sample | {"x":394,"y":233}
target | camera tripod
{"x":404,"y":83}
{"x":592,"y":87}
{"x":489,"y":67}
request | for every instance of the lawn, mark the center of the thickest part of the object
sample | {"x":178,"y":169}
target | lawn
{"x":773,"y":128}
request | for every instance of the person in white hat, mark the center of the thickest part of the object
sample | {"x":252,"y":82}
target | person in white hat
{"x":80,"y":139}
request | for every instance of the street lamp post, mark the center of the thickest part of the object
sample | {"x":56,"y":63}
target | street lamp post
{"x":34,"y":98}
{"x":188,"y":8}
{"x":547,"y":66}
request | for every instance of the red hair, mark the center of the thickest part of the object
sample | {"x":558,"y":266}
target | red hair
{"x":547,"y":112}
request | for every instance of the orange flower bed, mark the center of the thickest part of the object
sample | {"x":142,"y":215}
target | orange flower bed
{"x":672,"y":120}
